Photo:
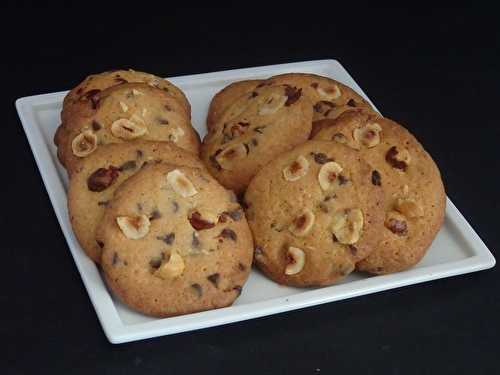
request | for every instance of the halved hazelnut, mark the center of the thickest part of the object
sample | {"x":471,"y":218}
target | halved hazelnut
{"x":84,"y":144}
{"x":175,"y":134}
{"x":133,"y":227}
{"x":368,"y":135}
{"x":127,"y":129}
{"x":399,"y":159}
{"x":347,"y":225}
{"x":297,"y":169}
{"x":396,"y":223}
{"x":331,"y":92}
{"x":272,"y":104}
{"x":409,"y":208}
{"x":296,"y":259}
{"x":340,"y":138}
{"x":124,"y":106}
{"x":137,"y":92}
{"x":302,"y":224}
{"x":228,"y":158}
{"x":181,"y":184}
{"x":328,"y":174}
{"x":173,"y":268}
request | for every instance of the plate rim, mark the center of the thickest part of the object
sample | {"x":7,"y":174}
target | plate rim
{"x":117,"y":332}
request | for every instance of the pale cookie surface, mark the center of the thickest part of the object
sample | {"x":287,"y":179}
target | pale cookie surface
{"x":255,"y":129}
{"x":314,"y":212}
{"x":329,"y":98}
{"x":414,"y":194}
{"x":226,"y":97}
{"x":175,"y":242}
{"x":95,"y":83}
{"x":97,"y":177}
{"x":130,"y":111}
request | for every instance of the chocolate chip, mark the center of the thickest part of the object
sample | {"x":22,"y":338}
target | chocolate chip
{"x":235,"y":214}
{"x":255,"y":142}
{"x":168,"y":238}
{"x":195,"y":242}
{"x":293,"y":95}
{"x":167,"y":107}
{"x":323,"y":207}
{"x":162,"y":121}
{"x":242,"y":267}
{"x":376,"y":178}
{"x":353,"y":249}
{"x":246,"y":147}
{"x":238,"y":289}
{"x":139,"y":153}
{"x":79,"y":91}
{"x":155,"y":214}
{"x":253,"y":94}
{"x":343,"y":180}
{"x":116,"y":259}
{"x":155,"y":263}
{"x":244,"y":124}
{"x":351,"y":103}
{"x":102,"y":178}
{"x":398,"y":227}
{"x":229,"y":234}
{"x":390,"y":157}
{"x":96,"y":126}
{"x":198,"y":290}
{"x":321,"y":158}
{"x":259,"y":129}
{"x":323,"y":106}
{"x":131,"y":164}
{"x":214,"y":279}
{"x":103,"y":203}
{"x":100,"y":244}
{"x":314,"y":85}
{"x":198,"y":223}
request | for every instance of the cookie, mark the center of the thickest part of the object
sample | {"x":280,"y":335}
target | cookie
{"x":175,"y":242}
{"x":226,"y":97}
{"x":414,"y":194}
{"x":329,"y":98}
{"x":95,"y":83}
{"x":253,"y":130}
{"x":314,"y":212}
{"x":130,"y":111}
{"x":92,"y":185}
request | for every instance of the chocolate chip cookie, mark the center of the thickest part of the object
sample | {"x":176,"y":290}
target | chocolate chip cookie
{"x":314,"y":212}
{"x":253,"y":130}
{"x":97,"y":177}
{"x":415,"y":199}
{"x":130,"y":111}
{"x":175,"y":242}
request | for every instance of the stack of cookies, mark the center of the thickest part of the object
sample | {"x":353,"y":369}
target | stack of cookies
{"x":327,"y":185}
{"x":169,"y":238}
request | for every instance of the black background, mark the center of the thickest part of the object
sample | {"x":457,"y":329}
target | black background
{"x":434,"y":70}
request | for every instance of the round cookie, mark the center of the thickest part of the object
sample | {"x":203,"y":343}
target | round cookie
{"x":314,"y":212}
{"x":329,"y":98}
{"x":226,"y":97}
{"x":254,"y":130}
{"x":415,"y":199}
{"x":122,"y":113}
{"x":98,"y":82}
{"x":97,"y":177}
{"x":194,"y":255}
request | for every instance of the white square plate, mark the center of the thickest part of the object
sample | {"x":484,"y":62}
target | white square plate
{"x":456,"y":250}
